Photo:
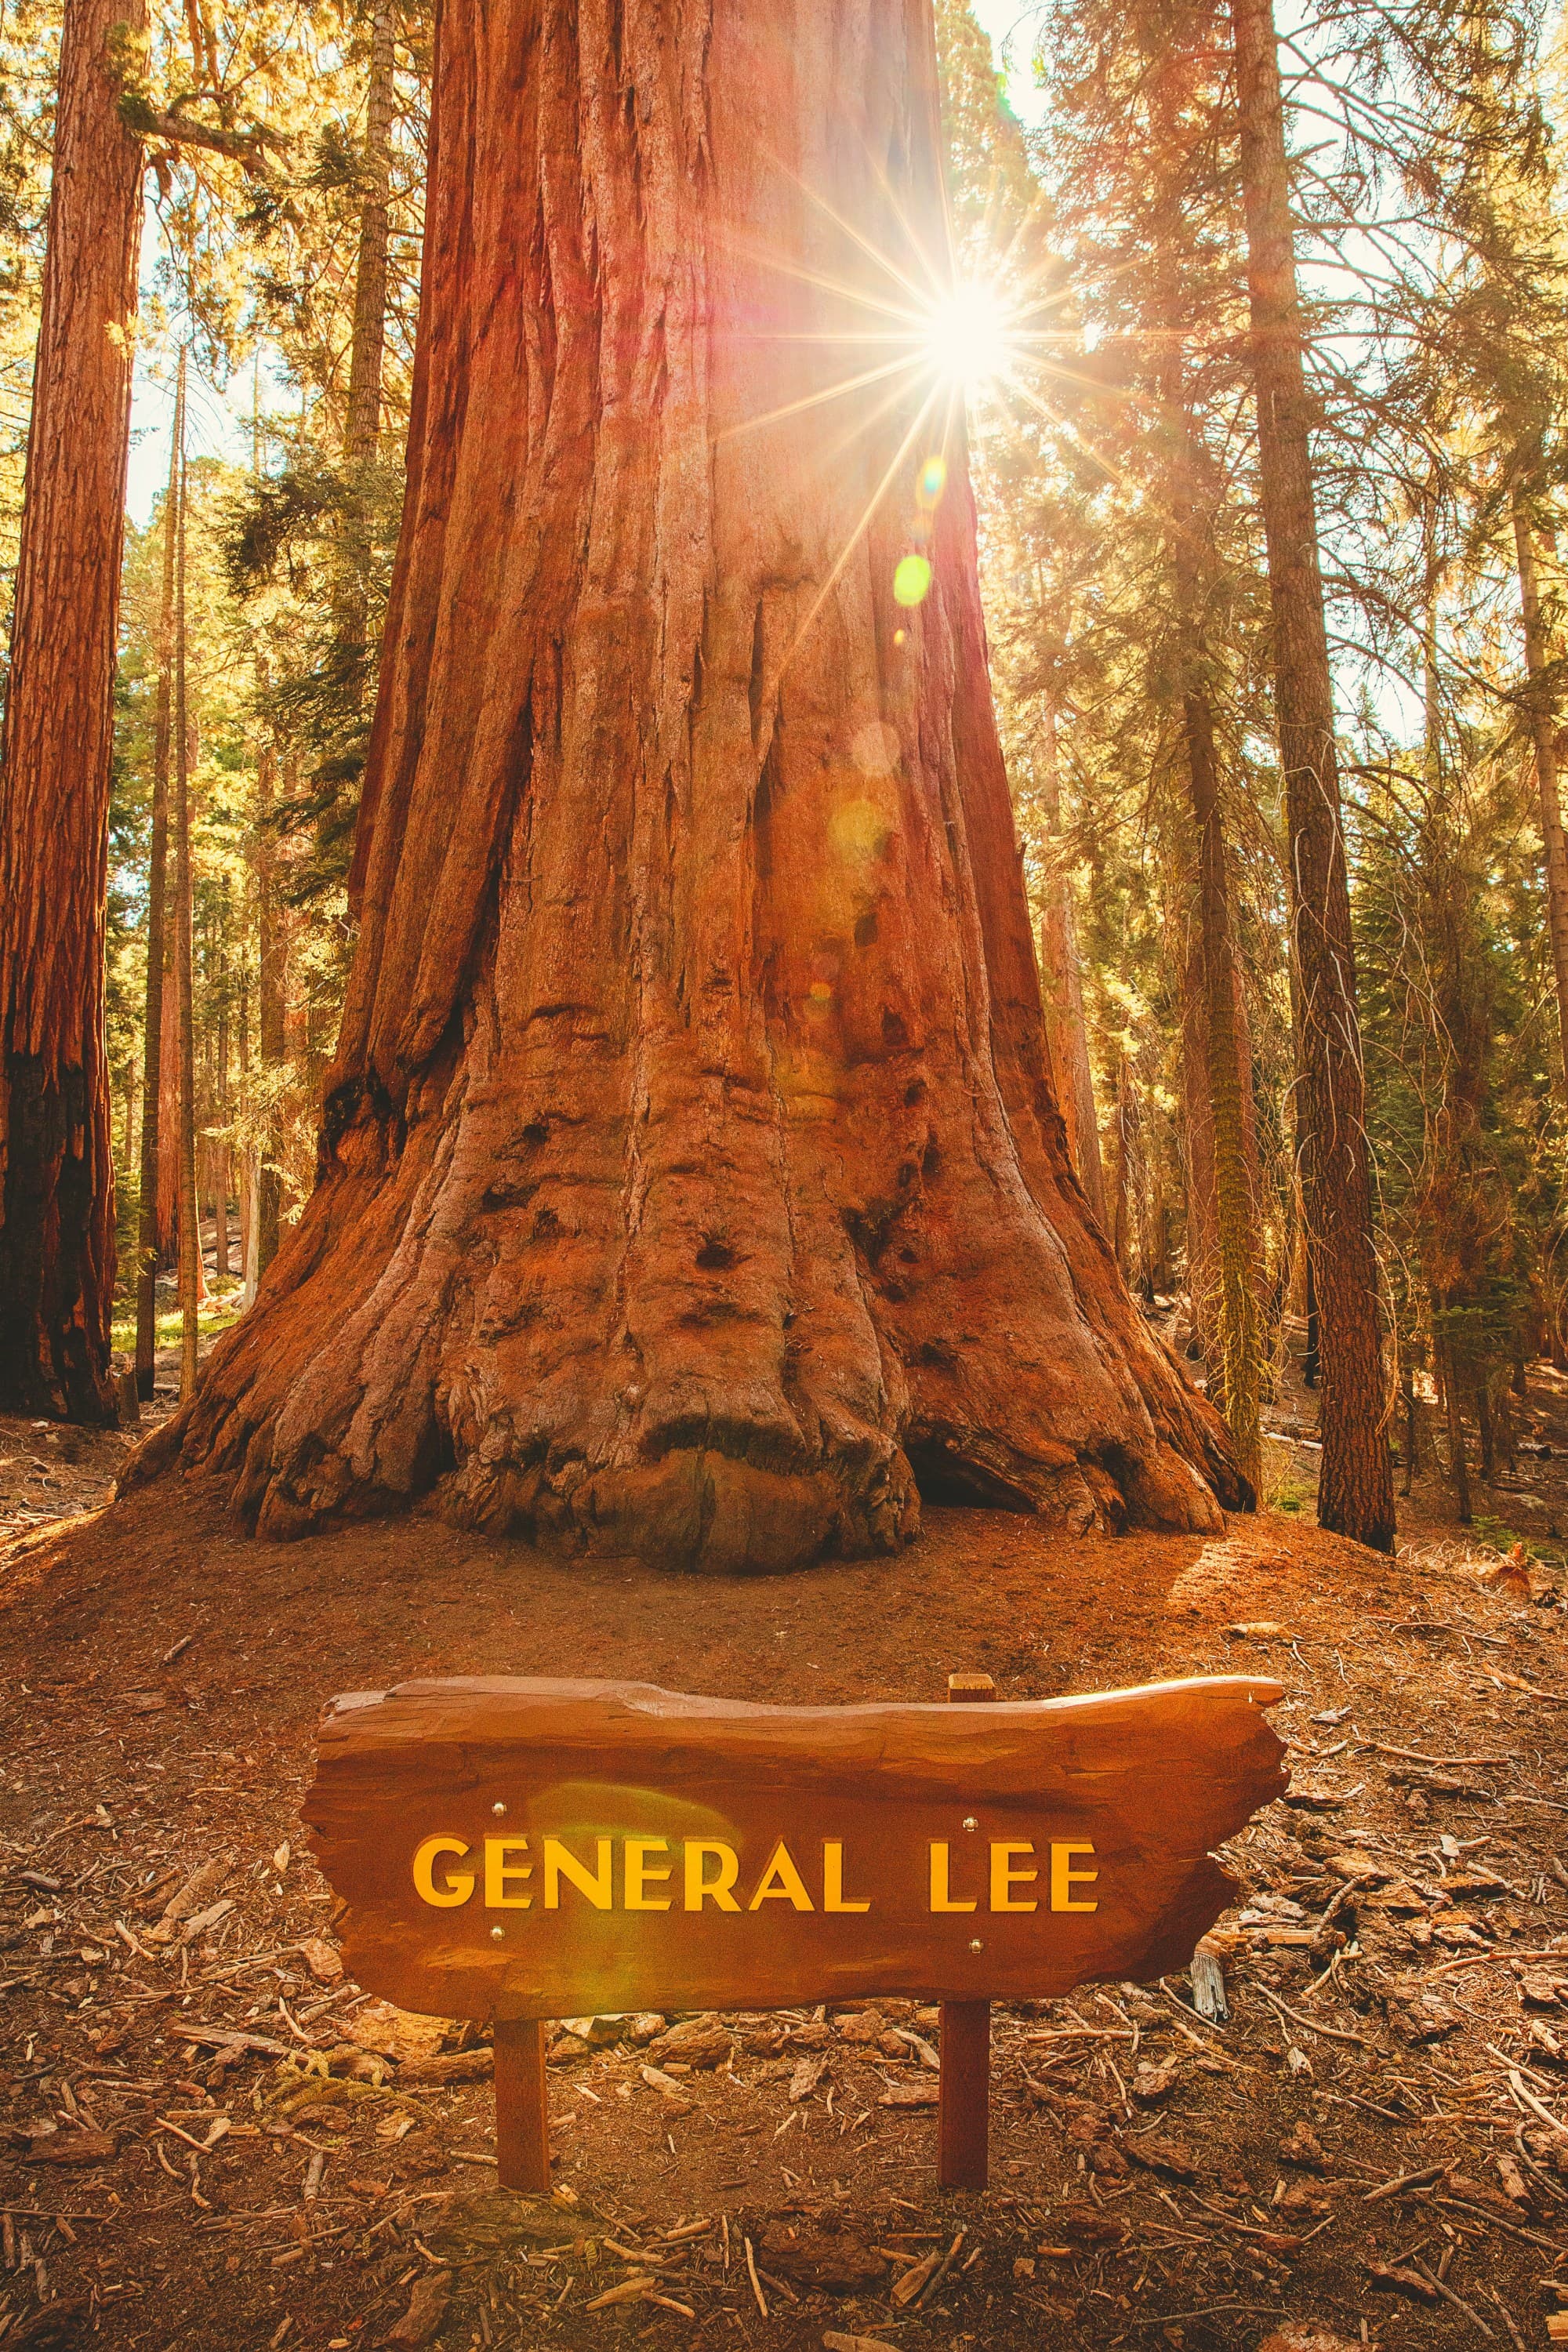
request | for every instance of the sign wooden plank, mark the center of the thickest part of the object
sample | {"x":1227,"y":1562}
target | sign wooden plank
{"x":521,"y":1848}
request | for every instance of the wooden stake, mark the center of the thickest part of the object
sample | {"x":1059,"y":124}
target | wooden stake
{"x":522,"y":2108}
{"x":964,"y":2115}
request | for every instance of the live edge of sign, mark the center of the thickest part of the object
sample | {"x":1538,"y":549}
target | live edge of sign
{"x":653,"y":1873}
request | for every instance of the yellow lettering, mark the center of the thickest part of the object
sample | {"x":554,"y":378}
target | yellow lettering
{"x":455,"y":1886}
{"x":498,"y":1870}
{"x":560,"y":1862}
{"x":1064,"y":1878}
{"x":635,"y":1851}
{"x":832,"y":1878}
{"x":1005,"y":1876}
{"x":717,"y":1891}
{"x":782,"y":1882}
{"x":941,"y":1896}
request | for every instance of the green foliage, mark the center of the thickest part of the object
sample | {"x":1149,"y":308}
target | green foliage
{"x":1436,"y":279}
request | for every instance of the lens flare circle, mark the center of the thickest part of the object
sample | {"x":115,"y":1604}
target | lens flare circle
{"x":911,"y":580}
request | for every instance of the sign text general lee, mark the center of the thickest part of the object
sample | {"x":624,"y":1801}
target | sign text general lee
{"x":655,"y":1873}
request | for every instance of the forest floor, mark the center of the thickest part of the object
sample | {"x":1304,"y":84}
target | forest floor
{"x":1368,"y":2143}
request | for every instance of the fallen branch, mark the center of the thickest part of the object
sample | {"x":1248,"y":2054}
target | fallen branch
{"x":937,"y":2275}
{"x":225,"y":2038}
{"x":1439,"y":1763}
{"x":1529,"y":2099}
{"x":1406,"y":2181}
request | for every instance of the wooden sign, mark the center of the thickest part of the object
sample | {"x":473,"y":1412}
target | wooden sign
{"x":533,"y":1849}
{"x":527,"y":1849}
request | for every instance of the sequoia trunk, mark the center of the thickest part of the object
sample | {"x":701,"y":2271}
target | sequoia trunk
{"x":690,"y":1183}
{"x":1355,"y":1494}
{"x":190,"y":1261}
{"x":154,"y":1141}
{"x":56,"y":1177}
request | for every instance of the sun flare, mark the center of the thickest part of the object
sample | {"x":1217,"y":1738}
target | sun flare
{"x":971,"y":336}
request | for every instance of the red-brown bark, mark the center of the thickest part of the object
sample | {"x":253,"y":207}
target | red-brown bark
{"x":166,"y":1207}
{"x":56,"y":1206}
{"x":1355,"y":1488}
{"x":690,"y":1181}
{"x":154,"y":1228}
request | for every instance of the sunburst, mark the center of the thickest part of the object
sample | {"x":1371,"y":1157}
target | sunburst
{"x":921,"y":334}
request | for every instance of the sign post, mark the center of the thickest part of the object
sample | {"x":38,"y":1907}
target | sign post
{"x":523,"y":2105}
{"x":518,"y":1851}
{"x":963,"y":2113}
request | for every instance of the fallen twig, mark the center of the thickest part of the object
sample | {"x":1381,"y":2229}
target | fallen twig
{"x":1330,"y":2033}
{"x":756,"y":2283}
{"x":1457,"y":2301}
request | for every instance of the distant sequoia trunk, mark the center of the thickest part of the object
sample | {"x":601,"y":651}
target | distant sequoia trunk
{"x":1355,"y":1480}
{"x":690,"y":1183}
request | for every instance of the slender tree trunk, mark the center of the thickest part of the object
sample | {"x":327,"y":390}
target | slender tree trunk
{"x":190,"y":1228}
{"x":689,"y":1179}
{"x":1355,"y":1494}
{"x":1197,"y":1153}
{"x":272,"y":1041}
{"x":1157,"y":1246}
{"x":369,"y":343}
{"x":153,"y":1134}
{"x":220,"y":1149}
{"x":1484,"y":1427}
{"x":367,"y":350}
{"x":1067,"y":1029}
{"x":56,"y":1170}
{"x":1459,"y":1467}
{"x":1411,"y":1428}
{"x":220,"y":1210}
{"x":1122,"y":1222}
{"x":168,"y":1187}
{"x":245,"y":1158}
{"x":1554,"y":854}
{"x":1227,"y":1053}
{"x":1504,"y":1412}
{"x":1238,"y":1239}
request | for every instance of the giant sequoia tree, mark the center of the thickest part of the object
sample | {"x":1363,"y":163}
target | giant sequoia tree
{"x":56,"y":1207}
{"x":690,"y":1178}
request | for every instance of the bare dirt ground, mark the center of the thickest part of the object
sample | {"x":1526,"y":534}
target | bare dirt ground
{"x":195,"y":2149}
